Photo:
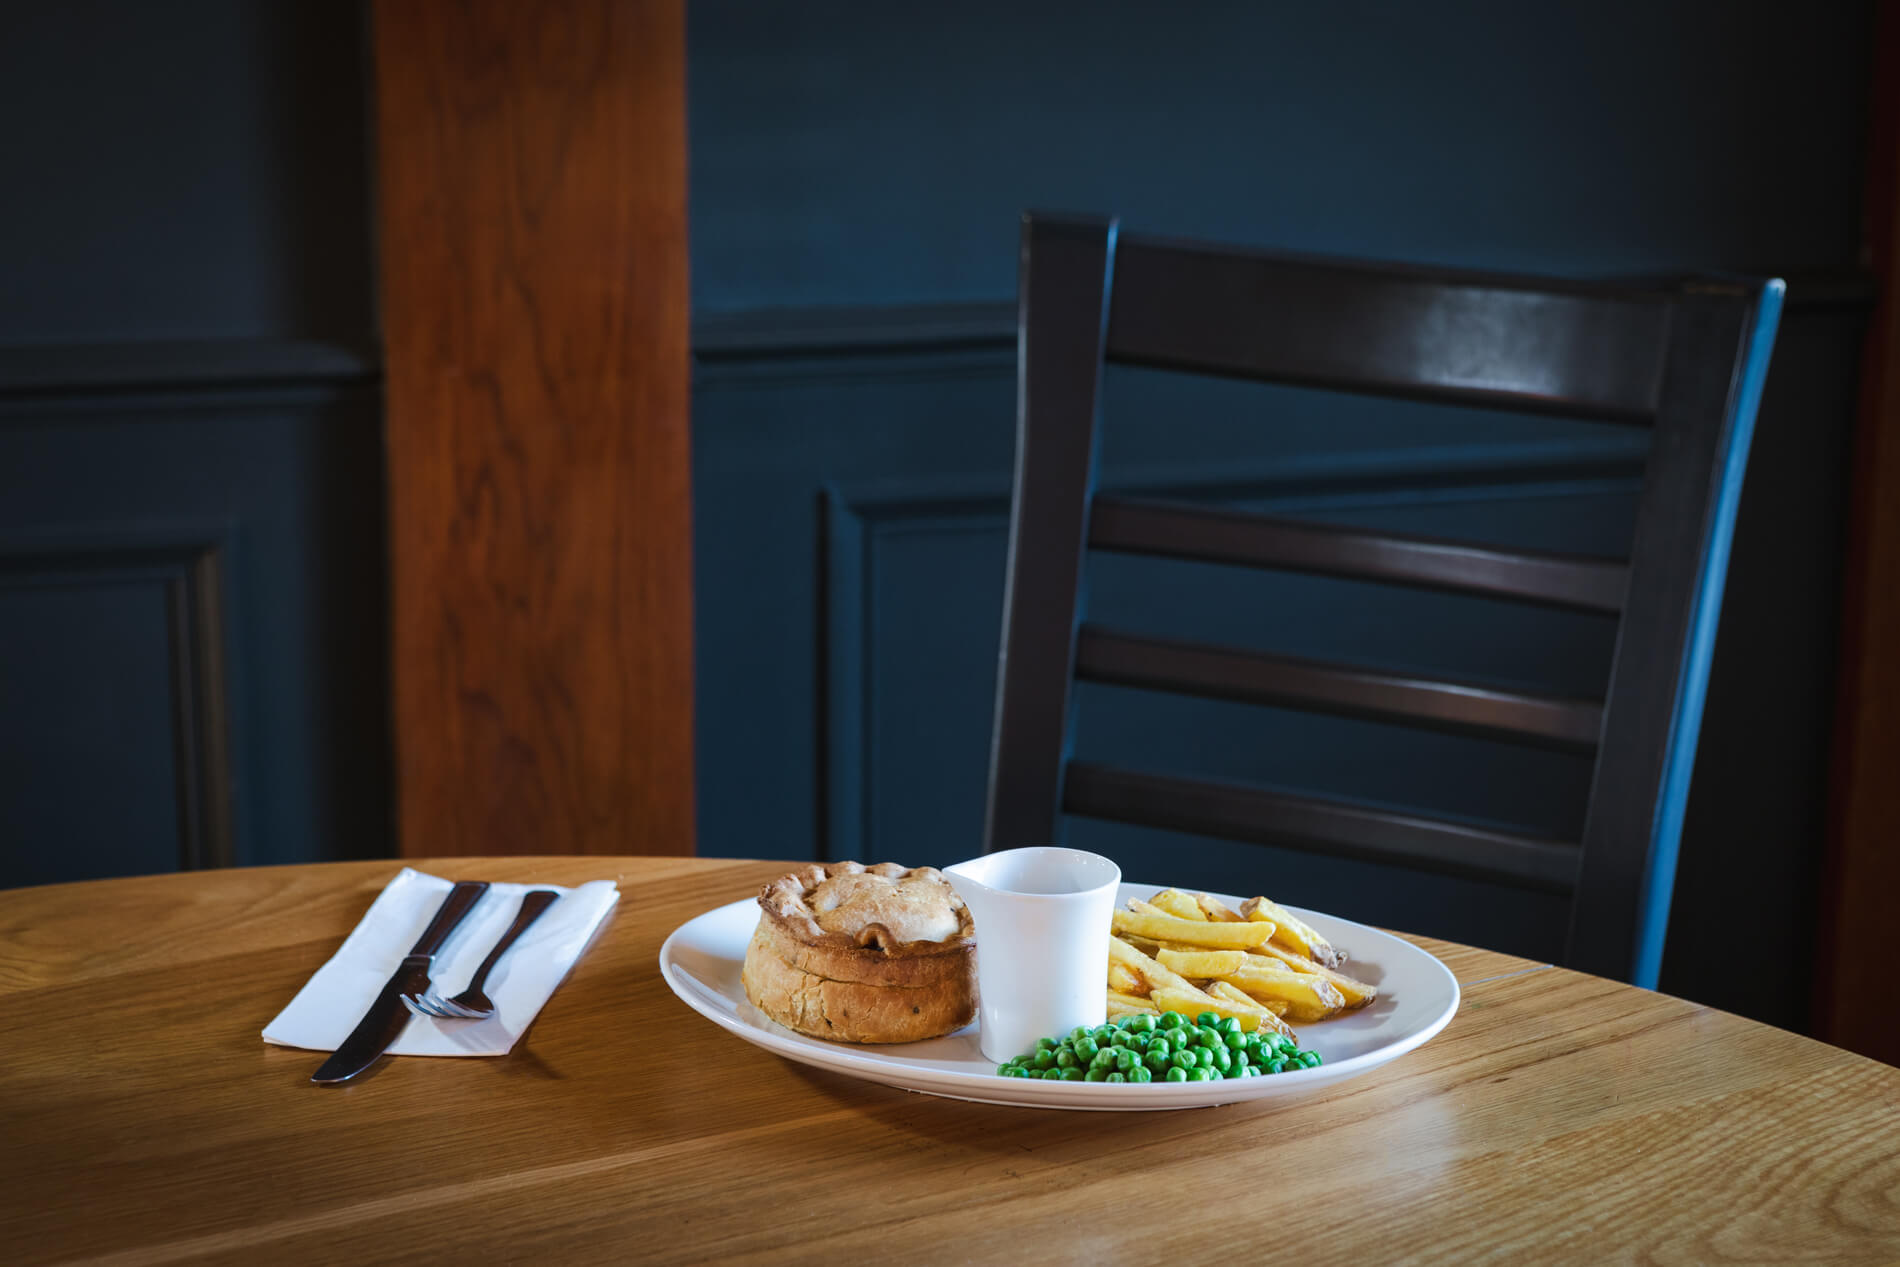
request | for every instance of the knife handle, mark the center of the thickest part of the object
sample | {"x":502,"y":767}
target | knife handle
{"x":460,"y":901}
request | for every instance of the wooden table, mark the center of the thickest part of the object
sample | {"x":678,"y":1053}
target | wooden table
{"x":1558,"y":1117}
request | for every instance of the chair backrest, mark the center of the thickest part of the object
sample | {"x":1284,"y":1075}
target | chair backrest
{"x":1686,"y":359}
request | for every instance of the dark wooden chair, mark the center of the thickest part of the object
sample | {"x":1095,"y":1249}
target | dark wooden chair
{"x":1687,"y":360}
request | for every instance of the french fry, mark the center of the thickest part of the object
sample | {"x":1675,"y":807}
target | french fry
{"x":1356,"y":993}
{"x":1272,"y":1021}
{"x":1175,"y":902}
{"x":1129,"y":1005}
{"x":1151,"y":971}
{"x":1291,"y":933}
{"x":1250,"y":1014}
{"x":1214,"y":909}
{"x":1125,"y":980}
{"x":1308,"y":998}
{"x":1140,"y":907}
{"x":1193,"y":932}
{"x":1203,"y":963}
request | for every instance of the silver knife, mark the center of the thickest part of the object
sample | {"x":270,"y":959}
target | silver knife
{"x":386,"y":1016}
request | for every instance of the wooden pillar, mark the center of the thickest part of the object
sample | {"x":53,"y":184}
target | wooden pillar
{"x":531,"y":160}
{"x":1855,"y":997}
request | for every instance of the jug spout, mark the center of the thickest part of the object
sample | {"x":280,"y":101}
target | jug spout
{"x":968,"y":886}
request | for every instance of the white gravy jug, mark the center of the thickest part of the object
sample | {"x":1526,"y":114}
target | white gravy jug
{"x":1041,"y":918}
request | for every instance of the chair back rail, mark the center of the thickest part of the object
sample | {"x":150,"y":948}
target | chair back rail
{"x":1212,"y":535}
{"x":1252,"y":677}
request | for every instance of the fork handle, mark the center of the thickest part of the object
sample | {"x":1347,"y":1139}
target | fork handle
{"x":532,"y":907}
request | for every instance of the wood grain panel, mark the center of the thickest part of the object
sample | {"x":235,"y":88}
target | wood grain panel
{"x":1559,"y":1117}
{"x":1862,"y":877}
{"x":533,"y":207}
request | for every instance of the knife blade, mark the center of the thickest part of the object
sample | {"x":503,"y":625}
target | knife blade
{"x":387,"y":1016}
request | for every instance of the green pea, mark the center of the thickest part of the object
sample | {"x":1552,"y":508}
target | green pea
{"x":1104,"y":1059}
{"x":1117,"y":1076}
{"x":1065,"y":1059}
{"x":1207,"y":1018}
{"x":1085,"y":1049}
{"x":1072,"y":1075}
{"x":1172,"y":1020}
{"x":1158,"y":1063}
{"x":1095,"y":1075}
{"x":1184,"y":1058}
{"x":1236,"y":1041}
{"x":1145,"y":1024}
{"x":1176,"y":1074}
{"x":1223,"y":1059}
{"x":1204,"y":1057}
{"x":1045,"y":1044}
{"x":1228,"y":1025}
{"x":1161,"y":1047}
{"x":1311,"y":1059}
{"x":1276,"y":1065}
{"x":1204,"y":1075}
{"x":1079,"y":1033}
{"x":1127,"y":1062}
{"x":1045,"y":1059}
{"x":1141,"y":1073}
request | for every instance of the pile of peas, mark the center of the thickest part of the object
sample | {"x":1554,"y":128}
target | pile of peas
{"x":1167,"y":1048}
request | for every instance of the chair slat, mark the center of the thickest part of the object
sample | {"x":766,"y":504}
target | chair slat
{"x":1237,"y":812}
{"x":1578,"y":350}
{"x":1213,"y":535}
{"x":1251,"y":677}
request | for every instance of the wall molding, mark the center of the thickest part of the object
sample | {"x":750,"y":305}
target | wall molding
{"x":190,"y":564}
{"x":812,"y":340}
{"x":765,"y":333}
{"x":33,"y":374}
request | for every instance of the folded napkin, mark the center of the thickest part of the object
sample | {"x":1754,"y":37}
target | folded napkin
{"x":334,"y":1000}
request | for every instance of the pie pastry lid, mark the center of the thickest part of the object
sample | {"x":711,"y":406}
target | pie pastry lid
{"x":886,"y":902}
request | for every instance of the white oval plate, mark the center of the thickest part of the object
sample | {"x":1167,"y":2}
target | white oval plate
{"x":1417,"y":997}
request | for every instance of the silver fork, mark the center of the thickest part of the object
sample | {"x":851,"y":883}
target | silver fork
{"x":471,"y":1004}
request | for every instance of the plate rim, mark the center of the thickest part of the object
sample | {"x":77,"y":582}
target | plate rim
{"x":898,"y":1071}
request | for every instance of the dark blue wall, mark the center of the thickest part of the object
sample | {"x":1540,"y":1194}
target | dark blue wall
{"x":858,"y":171}
{"x":191,"y":581}
{"x":879,"y":153}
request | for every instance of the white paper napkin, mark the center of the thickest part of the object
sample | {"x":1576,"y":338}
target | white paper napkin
{"x":334,"y":1000}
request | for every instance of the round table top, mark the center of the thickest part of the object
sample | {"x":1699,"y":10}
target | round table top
{"x":1559,"y":1116}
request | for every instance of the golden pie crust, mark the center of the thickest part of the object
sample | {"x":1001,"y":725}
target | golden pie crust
{"x":857,"y":954}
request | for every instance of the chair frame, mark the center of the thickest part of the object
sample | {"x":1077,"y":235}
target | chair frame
{"x":1686,"y":358}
